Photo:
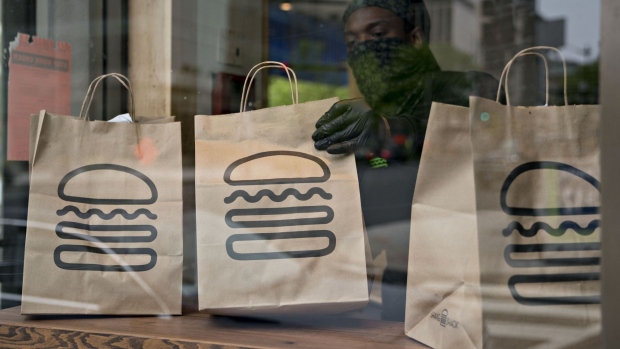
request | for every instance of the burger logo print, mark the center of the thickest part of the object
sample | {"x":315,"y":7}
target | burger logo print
{"x":558,"y":251}
{"x":247,"y":213}
{"x":127,"y":239}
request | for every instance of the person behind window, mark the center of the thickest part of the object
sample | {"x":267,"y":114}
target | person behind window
{"x":396,"y":72}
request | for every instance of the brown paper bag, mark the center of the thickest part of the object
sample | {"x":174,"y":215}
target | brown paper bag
{"x":443,"y":307}
{"x":34,"y":129}
{"x":104,"y":217}
{"x":443,"y":288}
{"x":279,"y":224}
{"x":537,"y":196}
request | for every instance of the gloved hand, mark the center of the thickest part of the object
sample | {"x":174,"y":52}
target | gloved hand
{"x":350,"y":126}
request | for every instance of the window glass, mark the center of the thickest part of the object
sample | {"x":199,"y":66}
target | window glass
{"x":402,"y":154}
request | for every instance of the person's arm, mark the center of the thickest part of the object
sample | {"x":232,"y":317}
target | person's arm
{"x":353,"y":126}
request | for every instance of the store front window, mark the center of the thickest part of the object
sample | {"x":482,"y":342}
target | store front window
{"x":432,"y":164}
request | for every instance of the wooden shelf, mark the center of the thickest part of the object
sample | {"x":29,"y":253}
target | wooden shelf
{"x":197,"y":331}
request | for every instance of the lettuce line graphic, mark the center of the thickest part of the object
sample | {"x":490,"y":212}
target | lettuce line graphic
{"x":107,"y":216}
{"x":277,"y":198}
{"x":511,"y":250}
{"x":553,"y":278}
{"x":559,"y":231}
{"x":553,"y":211}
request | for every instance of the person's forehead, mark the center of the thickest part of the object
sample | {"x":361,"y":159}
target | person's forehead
{"x":361,"y":18}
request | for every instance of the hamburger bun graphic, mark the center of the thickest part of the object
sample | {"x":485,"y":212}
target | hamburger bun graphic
{"x":559,"y":251}
{"x":247,"y":214}
{"x":127,"y":239}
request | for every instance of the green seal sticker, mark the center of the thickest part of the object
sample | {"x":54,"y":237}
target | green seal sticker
{"x":485,"y":116}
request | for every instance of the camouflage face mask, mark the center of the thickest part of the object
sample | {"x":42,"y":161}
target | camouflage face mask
{"x":388,"y":70}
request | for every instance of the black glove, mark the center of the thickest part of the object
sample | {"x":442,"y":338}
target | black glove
{"x":350,"y":126}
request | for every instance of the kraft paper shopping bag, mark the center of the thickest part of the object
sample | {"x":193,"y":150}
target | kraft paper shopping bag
{"x":34,"y":129}
{"x":537,"y":198}
{"x":104,"y":216}
{"x":443,"y":288}
{"x":443,"y":307}
{"x":279,"y":223}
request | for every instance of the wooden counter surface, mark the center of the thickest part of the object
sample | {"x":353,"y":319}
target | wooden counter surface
{"x":197,"y":331}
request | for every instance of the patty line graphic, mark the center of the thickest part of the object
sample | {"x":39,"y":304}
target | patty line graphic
{"x":329,"y":216}
{"x":551,"y":262}
{"x":553,"y":278}
{"x":106,"y":216}
{"x":61,"y":233}
{"x":281,"y":236}
{"x":102,"y":267}
{"x":559,"y":231}
{"x":277,"y":198}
